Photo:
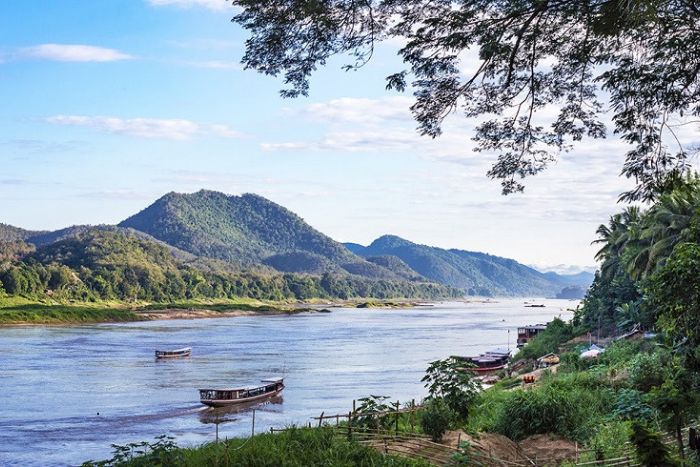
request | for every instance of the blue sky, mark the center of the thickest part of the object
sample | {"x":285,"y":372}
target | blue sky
{"x":108,"y":105}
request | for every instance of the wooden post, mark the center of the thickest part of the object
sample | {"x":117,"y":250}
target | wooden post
{"x":398,"y":407}
{"x":459,"y":439}
{"x":349,"y":426}
{"x":413,"y":414}
{"x":217,"y":432}
{"x":320,"y":419}
{"x":272,"y":430}
{"x":353,"y":406}
{"x":253,"y":429}
{"x":337,"y":420}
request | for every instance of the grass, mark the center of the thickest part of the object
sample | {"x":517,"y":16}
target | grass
{"x":295,"y":447}
{"x":23,"y":310}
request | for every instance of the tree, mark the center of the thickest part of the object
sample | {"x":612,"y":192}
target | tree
{"x":449,"y":381}
{"x":674,"y":291}
{"x":532,"y":55}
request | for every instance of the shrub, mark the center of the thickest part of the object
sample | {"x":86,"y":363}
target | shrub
{"x":630,"y":406}
{"x":651,"y":450}
{"x":435,"y":418}
{"x":646,"y":371}
{"x":567,"y":408}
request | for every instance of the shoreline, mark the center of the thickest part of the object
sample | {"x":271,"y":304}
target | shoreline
{"x":76,"y":314}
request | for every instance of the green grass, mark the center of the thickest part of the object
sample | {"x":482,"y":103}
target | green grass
{"x":23,"y":310}
{"x":18,"y":310}
{"x":295,"y":447}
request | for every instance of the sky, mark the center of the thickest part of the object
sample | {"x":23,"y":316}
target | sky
{"x":108,"y":105}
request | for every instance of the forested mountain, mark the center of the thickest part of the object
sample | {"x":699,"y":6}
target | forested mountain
{"x":117,"y":263}
{"x":9,"y":233}
{"x":476,"y":273}
{"x":247,"y":230}
{"x":221,"y":238}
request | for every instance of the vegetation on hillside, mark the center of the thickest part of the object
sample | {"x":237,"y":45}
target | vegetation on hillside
{"x":112,"y":264}
{"x":475,"y":273}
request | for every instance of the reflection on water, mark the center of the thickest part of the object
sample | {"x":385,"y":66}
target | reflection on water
{"x":70,"y":392}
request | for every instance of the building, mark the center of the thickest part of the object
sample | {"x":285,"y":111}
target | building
{"x":526,"y":333}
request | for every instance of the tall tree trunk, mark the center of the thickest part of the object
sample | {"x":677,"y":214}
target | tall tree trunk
{"x":679,"y":438}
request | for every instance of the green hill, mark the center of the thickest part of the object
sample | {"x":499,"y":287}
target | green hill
{"x":476,"y":273}
{"x":110,"y":263}
{"x":247,"y":230}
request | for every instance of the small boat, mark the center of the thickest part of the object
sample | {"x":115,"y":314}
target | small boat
{"x":175,"y":353}
{"x":221,"y":397}
{"x":488,"y":362}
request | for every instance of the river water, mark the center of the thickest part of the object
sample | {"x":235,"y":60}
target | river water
{"x":69,"y":392}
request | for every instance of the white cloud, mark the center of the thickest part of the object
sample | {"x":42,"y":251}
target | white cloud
{"x":350,"y":110}
{"x":176,"y":129}
{"x":74,"y":53}
{"x":210,"y":4}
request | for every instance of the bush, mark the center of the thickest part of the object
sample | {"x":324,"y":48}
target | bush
{"x":647,"y":371}
{"x":435,"y":418}
{"x":651,"y":450}
{"x":570,"y":408}
{"x":630,"y":406}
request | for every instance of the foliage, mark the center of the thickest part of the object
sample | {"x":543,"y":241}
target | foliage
{"x":109,"y":264}
{"x":651,"y":450}
{"x":529,"y":57}
{"x":608,"y":437}
{"x":569,"y":408}
{"x":448,"y":380}
{"x":366,"y":413}
{"x":547,"y":341}
{"x":647,"y":371}
{"x":675,"y":292}
{"x":630,"y":405}
{"x":293,"y":447}
{"x":634,"y":280}
{"x":435,"y":418}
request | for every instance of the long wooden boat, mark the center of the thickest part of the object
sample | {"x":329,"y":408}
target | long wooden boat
{"x":488,"y":362}
{"x":221,"y":397}
{"x":175,"y":353}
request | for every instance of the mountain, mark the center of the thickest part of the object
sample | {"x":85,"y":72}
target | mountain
{"x":476,"y":273}
{"x":115,"y":263}
{"x":247,"y":230}
{"x":581,"y":279}
{"x":9,"y":233}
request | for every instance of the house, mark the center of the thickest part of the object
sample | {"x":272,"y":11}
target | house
{"x":526,"y":333}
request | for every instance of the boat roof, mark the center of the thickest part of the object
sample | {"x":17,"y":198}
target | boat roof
{"x":539,"y":327}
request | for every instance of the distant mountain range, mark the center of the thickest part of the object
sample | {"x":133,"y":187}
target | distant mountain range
{"x":213,"y":231}
{"x":476,"y":273}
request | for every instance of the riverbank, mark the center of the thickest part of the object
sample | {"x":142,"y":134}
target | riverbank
{"x":20,"y":311}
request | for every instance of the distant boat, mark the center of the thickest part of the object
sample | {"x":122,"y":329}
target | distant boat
{"x":175,"y":353}
{"x":221,"y":397}
{"x":535,"y":306}
{"x":488,"y":362}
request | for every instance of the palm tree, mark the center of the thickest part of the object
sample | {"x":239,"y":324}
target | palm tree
{"x":664,"y":226}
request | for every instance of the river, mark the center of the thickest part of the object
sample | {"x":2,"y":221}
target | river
{"x":69,"y":392}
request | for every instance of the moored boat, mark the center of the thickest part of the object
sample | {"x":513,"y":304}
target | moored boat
{"x":221,"y":397}
{"x":488,"y":362}
{"x":174,"y":353}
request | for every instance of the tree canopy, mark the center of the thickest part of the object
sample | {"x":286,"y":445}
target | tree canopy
{"x":638,"y":58}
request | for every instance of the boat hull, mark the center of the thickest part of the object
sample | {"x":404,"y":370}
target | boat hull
{"x":243,"y":400}
{"x":162,"y":355}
